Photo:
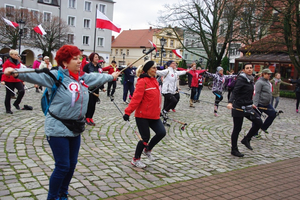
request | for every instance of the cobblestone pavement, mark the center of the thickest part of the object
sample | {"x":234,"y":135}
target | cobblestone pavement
{"x":104,"y":169}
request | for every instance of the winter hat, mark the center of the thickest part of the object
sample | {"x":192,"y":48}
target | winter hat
{"x":148,"y":65}
{"x":219,"y":68}
{"x":266,"y":71}
{"x":40,"y":56}
{"x":169,"y":62}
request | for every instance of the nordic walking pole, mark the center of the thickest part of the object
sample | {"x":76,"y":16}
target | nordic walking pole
{"x":145,"y":143}
{"x":138,"y":59}
{"x":183,"y":123}
{"x":10,"y":90}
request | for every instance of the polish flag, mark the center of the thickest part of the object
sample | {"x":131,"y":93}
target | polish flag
{"x":153,"y":45}
{"x":39,"y":29}
{"x":177,"y":52}
{"x":10,"y":23}
{"x":104,"y":23}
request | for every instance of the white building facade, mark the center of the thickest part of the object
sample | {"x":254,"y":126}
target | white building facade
{"x":80,"y":15}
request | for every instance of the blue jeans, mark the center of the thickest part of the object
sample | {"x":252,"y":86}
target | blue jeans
{"x":276,"y":101}
{"x":270,"y":111}
{"x":198,"y":92}
{"x":65,"y":152}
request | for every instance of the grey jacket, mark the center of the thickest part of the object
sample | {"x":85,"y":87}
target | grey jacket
{"x":263,"y":92}
{"x":61,"y":105}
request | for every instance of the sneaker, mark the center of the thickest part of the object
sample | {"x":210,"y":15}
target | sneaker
{"x":92,"y":122}
{"x":112,"y":96}
{"x":138,"y":163}
{"x":87,"y":121}
{"x":17,"y":106}
{"x":166,"y":123}
{"x":296,"y":110}
{"x":258,"y":137}
{"x":63,"y":196}
{"x":266,"y":132}
{"x":126,"y":102}
{"x":216,"y":114}
{"x":9,"y":112}
{"x":148,"y":154}
{"x":164,"y":114}
{"x":173,"y":110}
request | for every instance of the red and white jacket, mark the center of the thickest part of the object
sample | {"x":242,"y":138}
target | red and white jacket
{"x":146,"y":99}
{"x":195,"y":77}
{"x":111,"y":69}
{"x":9,"y":63}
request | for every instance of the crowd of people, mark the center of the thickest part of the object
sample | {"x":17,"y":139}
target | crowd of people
{"x":65,"y":120}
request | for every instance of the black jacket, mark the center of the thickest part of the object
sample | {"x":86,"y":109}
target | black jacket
{"x":241,"y":95}
{"x":91,"y":68}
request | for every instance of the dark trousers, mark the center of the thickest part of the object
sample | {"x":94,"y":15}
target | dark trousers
{"x":169,"y":102}
{"x":144,"y":126}
{"x":198,"y":92}
{"x":12,"y":85}
{"x":65,"y":152}
{"x":298,"y":99}
{"x":237,"y":127}
{"x":177,"y":97}
{"x":92,"y":104}
{"x":127,"y":86}
{"x":193,"y":92}
{"x":109,"y":84}
{"x":218,"y":99}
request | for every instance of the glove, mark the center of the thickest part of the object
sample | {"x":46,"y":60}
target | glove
{"x":126,"y":117}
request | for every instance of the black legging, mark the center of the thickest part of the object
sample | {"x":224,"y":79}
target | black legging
{"x":177,"y":96}
{"x":193,"y":92}
{"x":109,"y":84}
{"x":143,"y":126}
{"x":92,"y":104}
{"x":170,"y":101}
{"x":219,"y":98}
{"x":298,"y":99}
{"x":237,"y":127}
{"x":12,"y":85}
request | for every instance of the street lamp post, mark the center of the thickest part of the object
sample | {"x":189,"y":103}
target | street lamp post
{"x":162,"y":44}
{"x":123,"y":58}
{"x":21,"y":27}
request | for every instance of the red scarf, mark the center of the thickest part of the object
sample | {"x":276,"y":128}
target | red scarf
{"x":75,"y":76}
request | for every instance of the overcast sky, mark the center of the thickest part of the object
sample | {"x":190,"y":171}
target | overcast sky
{"x":137,"y":14}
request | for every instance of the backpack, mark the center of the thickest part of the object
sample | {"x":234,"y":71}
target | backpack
{"x":46,"y":100}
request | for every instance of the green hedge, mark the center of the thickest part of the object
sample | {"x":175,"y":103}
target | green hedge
{"x":288,"y":94}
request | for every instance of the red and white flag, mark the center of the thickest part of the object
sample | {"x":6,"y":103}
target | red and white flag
{"x":39,"y":29}
{"x":104,"y":23}
{"x":177,"y":52}
{"x":10,"y":23}
{"x":153,"y":45}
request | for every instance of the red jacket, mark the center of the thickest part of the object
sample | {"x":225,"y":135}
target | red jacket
{"x":111,"y":69}
{"x":195,"y":74}
{"x":9,"y":63}
{"x":146,"y":99}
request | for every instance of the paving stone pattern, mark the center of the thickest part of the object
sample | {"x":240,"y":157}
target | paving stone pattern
{"x":104,"y":169}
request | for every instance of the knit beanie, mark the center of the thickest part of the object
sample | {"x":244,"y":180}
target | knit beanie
{"x":148,"y":65}
{"x":219,"y":68}
{"x":169,"y":62}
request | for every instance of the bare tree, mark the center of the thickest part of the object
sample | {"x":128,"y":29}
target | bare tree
{"x":212,"y":21}
{"x":57,"y":30}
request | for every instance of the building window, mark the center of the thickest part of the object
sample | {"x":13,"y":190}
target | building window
{"x":117,"y":52}
{"x":171,"y":54}
{"x":157,"y":54}
{"x":32,"y":34}
{"x":10,"y":11}
{"x":47,"y":17}
{"x":87,"y":23}
{"x":70,"y":38}
{"x":185,"y":56}
{"x":34,"y":14}
{"x":47,"y":1}
{"x":121,"y":51}
{"x":127,"y":52}
{"x":86,"y":40}
{"x":100,"y":42}
{"x":186,"y":42}
{"x":72,"y":3}
{"x":171,"y":43}
{"x":164,"y":54}
{"x":87,"y":6}
{"x":71,"y":21}
{"x":102,"y":8}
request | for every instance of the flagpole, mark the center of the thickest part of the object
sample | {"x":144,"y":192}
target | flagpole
{"x":95,"y":29}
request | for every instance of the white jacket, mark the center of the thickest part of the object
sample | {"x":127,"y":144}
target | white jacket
{"x":170,"y":79}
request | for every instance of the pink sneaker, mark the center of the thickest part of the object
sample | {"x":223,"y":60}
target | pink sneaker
{"x":296,"y":110}
{"x":216,"y":114}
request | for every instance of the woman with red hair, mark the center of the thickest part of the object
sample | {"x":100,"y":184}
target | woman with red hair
{"x":64,"y":121}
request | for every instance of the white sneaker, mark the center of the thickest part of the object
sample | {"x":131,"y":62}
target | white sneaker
{"x":138,"y":163}
{"x":148,"y":154}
